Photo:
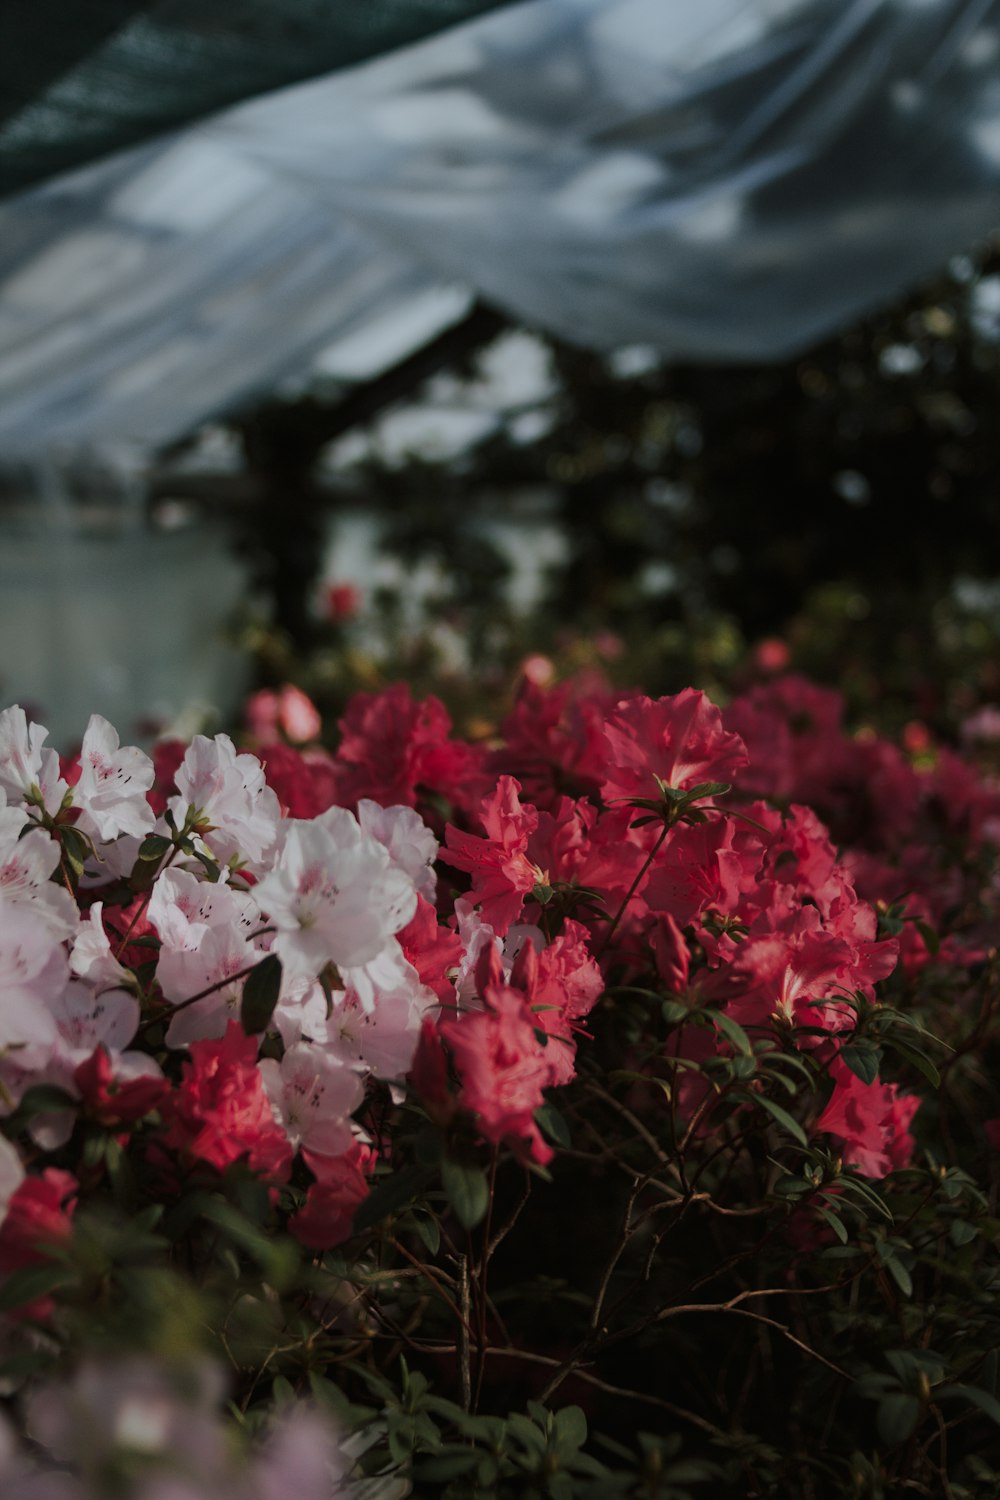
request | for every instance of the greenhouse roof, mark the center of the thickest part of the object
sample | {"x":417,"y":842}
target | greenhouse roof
{"x":722,"y":181}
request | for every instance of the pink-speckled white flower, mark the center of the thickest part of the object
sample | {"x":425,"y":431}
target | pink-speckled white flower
{"x":411,"y":844}
{"x":313,"y":1095}
{"x":238,"y":813}
{"x":92,"y":959}
{"x":334,"y":895}
{"x":25,"y":767}
{"x":26,"y":867}
{"x":33,"y":974}
{"x":114,"y":780}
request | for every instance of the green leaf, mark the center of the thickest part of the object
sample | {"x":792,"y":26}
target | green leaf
{"x":45,"y":1098}
{"x":961,"y":1232}
{"x":835,"y":1224}
{"x":429,"y":1231}
{"x":553,"y":1124}
{"x":900,"y":1276}
{"x":972,"y":1393}
{"x":154,"y":846}
{"x":467,"y":1191}
{"x":571,"y":1427}
{"x":896,"y":1418}
{"x":732,"y":1031}
{"x":390,"y":1195}
{"x":781,"y":1115}
{"x":862,"y":1059}
{"x":260,"y":995}
{"x":30,"y":1282}
{"x":916,"y":1059}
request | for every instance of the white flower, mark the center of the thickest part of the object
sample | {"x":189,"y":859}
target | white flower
{"x":113,"y":783}
{"x":312,"y":1095}
{"x":239,"y":810}
{"x":26,"y":865}
{"x":182,"y":908}
{"x":92,"y":958}
{"x":33,"y":974}
{"x":86,"y":1020}
{"x":334,"y":895}
{"x":11,"y":1175}
{"x":381,"y":1040}
{"x":411,"y":844}
{"x":24,"y":764}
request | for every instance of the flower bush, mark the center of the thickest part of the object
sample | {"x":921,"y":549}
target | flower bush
{"x":608,"y":1108}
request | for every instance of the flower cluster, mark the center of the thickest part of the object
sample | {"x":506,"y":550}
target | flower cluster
{"x":318,"y":986}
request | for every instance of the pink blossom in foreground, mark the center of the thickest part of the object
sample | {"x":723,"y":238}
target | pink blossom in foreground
{"x":679,"y":741}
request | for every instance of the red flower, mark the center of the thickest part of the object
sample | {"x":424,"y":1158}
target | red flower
{"x":872,"y":1121}
{"x":305,"y":781}
{"x":680,"y":740}
{"x":392,"y":748}
{"x":221,"y":1114}
{"x":39,"y":1216}
{"x":502,"y":874}
{"x":327,"y":1216}
{"x":433,"y":950}
{"x":112,"y":1101}
{"x":503,"y":1068}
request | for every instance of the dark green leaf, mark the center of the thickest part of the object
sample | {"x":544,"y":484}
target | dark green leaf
{"x":23,"y":1286}
{"x":390,"y":1195}
{"x":781,"y":1115}
{"x":897,"y":1417}
{"x":154,"y":846}
{"x":862,"y":1059}
{"x":986,"y":1403}
{"x":732,"y":1031}
{"x":467,"y":1190}
{"x":553,"y":1124}
{"x":916,"y":1059}
{"x":260,"y":995}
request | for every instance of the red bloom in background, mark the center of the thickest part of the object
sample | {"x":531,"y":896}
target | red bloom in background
{"x":305,"y":781}
{"x":434,"y":951}
{"x":39,"y":1216}
{"x":681,"y":740}
{"x":502,"y":874}
{"x":113,"y":1101}
{"x":327,"y":1216}
{"x":393,"y":749}
{"x":871,"y":1120}
{"x":220,"y":1112}
{"x":167,"y":756}
{"x":502,"y":1067}
{"x":554,"y":738}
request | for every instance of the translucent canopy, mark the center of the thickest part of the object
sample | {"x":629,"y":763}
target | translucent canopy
{"x":718,"y":179}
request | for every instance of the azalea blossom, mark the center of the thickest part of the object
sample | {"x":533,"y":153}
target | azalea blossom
{"x":25,"y":766}
{"x":313,"y":1095}
{"x":237,"y":811}
{"x":111,"y":790}
{"x":334,"y":895}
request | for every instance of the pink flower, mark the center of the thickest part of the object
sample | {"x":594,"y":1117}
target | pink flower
{"x":305,"y":781}
{"x":680,"y":740}
{"x":342,"y":601}
{"x":394,"y":750}
{"x":221,"y":1113}
{"x":502,"y":874}
{"x":112,"y":1099}
{"x":287,"y":712}
{"x":871,"y":1120}
{"x":502,"y":1068}
{"x":327,"y":1216}
{"x":39,"y":1216}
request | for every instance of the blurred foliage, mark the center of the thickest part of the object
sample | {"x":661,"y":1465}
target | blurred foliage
{"x":848,"y":503}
